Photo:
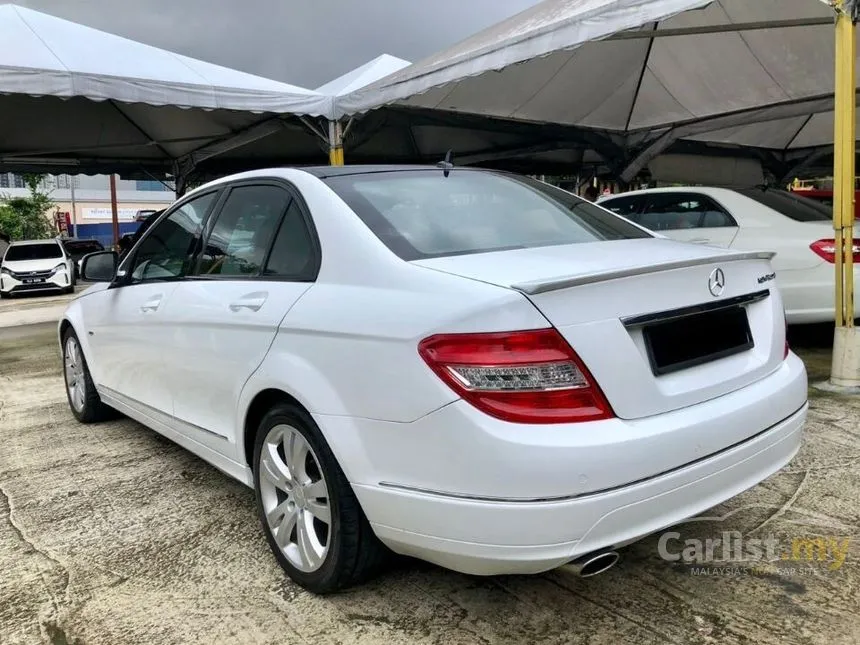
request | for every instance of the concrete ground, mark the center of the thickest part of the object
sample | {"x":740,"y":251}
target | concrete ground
{"x":111,"y":534}
{"x":34,"y":308}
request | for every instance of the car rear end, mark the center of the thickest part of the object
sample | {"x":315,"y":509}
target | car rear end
{"x":803,"y":242}
{"x":660,"y":385}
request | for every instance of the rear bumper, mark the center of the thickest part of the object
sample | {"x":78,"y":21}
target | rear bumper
{"x":809,"y":294}
{"x":493,"y":538}
{"x":483,"y":496}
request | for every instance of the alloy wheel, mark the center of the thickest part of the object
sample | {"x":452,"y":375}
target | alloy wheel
{"x":75,"y":376}
{"x":295,"y":498}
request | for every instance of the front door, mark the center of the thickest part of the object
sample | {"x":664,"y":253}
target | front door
{"x":258,"y":259}
{"x":129,"y":337}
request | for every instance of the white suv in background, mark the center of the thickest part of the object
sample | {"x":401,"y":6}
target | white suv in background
{"x":36,"y":265}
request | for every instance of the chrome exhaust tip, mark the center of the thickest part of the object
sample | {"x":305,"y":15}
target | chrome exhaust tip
{"x":592,"y":564}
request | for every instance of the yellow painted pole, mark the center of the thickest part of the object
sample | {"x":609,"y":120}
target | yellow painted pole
{"x":848,"y":171}
{"x":838,"y":132}
{"x":843,"y":169}
{"x":335,"y":139}
{"x":845,"y":370}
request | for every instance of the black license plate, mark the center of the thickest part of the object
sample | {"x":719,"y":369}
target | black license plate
{"x":33,"y":280}
{"x":698,"y":338}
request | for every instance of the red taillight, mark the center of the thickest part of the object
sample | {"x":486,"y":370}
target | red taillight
{"x":827,"y":249}
{"x":522,"y":376}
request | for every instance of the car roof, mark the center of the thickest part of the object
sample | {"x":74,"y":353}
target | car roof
{"x":33,"y":242}
{"x":707,"y":190}
{"x":322,"y":172}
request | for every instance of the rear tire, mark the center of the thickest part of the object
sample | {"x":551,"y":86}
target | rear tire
{"x":83,"y":398}
{"x":309,"y":512}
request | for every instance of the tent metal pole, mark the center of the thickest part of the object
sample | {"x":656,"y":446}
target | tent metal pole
{"x":113,"y":209}
{"x":335,"y":143}
{"x":845,"y":371}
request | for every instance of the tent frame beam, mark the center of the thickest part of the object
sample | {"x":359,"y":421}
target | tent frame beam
{"x":719,"y":29}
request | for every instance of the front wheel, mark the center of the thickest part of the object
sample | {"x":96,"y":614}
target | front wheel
{"x":311,"y":517}
{"x":83,"y":398}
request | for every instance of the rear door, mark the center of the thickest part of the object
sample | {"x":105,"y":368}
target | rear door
{"x":688,"y":217}
{"x":259,"y":256}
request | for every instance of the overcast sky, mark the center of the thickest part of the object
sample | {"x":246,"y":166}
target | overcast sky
{"x":304,"y":42}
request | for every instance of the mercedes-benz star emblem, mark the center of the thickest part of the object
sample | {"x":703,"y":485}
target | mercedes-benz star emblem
{"x":717,"y":282}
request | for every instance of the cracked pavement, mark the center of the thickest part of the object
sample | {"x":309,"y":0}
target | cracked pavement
{"x":111,"y":534}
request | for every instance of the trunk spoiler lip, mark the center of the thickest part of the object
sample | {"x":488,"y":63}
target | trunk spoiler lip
{"x":535,"y":287}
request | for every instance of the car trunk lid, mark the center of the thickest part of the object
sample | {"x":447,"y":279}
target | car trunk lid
{"x":642,"y":317}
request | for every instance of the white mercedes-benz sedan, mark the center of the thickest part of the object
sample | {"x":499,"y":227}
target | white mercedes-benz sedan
{"x":797,"y":229}
{"x":469,"y":367}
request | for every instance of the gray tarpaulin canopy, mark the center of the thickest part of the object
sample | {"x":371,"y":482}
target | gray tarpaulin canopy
{"x":648,"y":73}
{"x":75,"y":96}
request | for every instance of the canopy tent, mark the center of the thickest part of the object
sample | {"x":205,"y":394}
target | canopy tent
{"x":119,"y":105}
{"x":362,"y":76}
{"x":653,"y":72}
{"x":420,"y":136}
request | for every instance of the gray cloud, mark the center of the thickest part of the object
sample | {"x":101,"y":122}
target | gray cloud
{"x":304,"y":42}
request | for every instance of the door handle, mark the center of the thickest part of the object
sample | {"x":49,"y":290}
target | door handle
{"x":700,"y":240}
{"x":152,"y":304}
{"x":252,"y":301}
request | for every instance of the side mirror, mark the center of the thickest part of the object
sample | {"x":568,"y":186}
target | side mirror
{"x":99,"y":267}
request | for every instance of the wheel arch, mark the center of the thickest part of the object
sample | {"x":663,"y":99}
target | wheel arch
{"x":262,"y":402}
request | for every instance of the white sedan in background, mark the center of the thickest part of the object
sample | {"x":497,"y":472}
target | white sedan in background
{"x":797,"y":229}
{"x":469,"y":367}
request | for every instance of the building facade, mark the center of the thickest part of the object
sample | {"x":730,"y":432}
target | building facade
{"x":87,"y":200}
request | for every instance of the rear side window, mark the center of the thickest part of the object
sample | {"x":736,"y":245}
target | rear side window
{"x":792,"y":205}
{"x":293,"y":253}
{"x":239,"y":241}
{"x":24,"y":252}
{"x":679,"y":211}
{"x":423,"y":214}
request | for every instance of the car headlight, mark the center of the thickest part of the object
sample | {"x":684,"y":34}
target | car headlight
{"x":60,"y":267}
{"x":6,"y":271}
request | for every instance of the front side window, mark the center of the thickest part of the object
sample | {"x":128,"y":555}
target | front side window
{"x":165,"y":252}
{"x":423,"y":214}
{"x":679,"y":211}
{"x":24,"y":252}
{"x":239,"y":241}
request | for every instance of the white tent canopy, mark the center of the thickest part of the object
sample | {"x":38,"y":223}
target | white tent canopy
{"x":75,"y":99}
{"x":42,"y":55}
{"x":750,"y":73}
{"x":364,"y":75}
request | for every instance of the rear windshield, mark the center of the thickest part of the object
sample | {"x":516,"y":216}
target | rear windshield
{"x":797,"y":207}
{"x":21,"y":252}
{"x":423,"y":214}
